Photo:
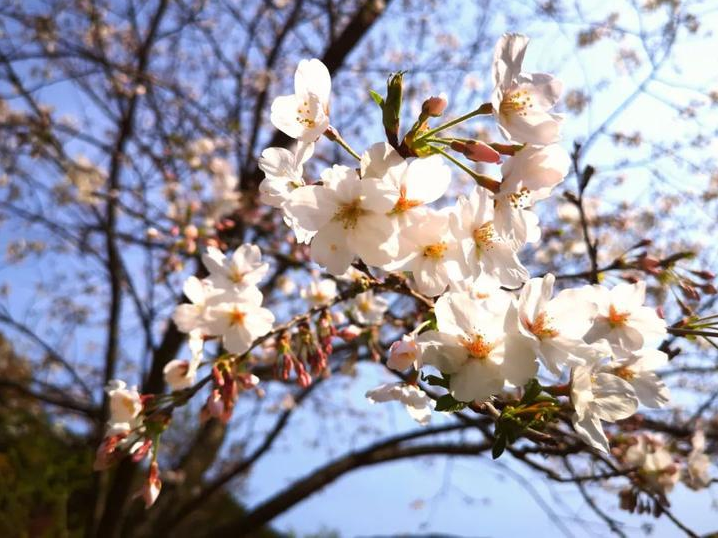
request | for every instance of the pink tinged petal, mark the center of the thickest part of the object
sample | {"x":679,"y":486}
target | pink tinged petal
{"x":531,"y":301}
{"x":590,"y":430}
{"x":627,"y":297}
{"x":330,"y":249}
{"x":214,"y":261}
{"x":648,"y":323}
{"x":379,"y":159}
{"x":477,"y":379}
{"x":429,"y":281}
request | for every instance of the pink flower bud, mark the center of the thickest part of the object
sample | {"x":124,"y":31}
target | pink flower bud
{"x":153,"y":485}
{"x":480,"y":152}
{"x":190,"y":231}
{"x":435,"y":106}
{"x":349,"y":333}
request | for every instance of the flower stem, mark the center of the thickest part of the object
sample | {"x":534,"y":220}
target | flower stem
{"x":332,"y":134}
{"x":482,"y":180}
{"x":484,"y":109}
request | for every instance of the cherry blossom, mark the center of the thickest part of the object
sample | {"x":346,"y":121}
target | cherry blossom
{"x":522,"y":101}
{"x":181,"y":374}
{"x":555,"y":327}
{"x":283,"y":171}
{"x":623,"y":320}
{"x":345,"y":222}
{"x":368,"y":309}
{"x":305,"y":114}
{"x":416,"y":401}
{"x":476,"y":346}
{"x":319,"y":292}
{"x":528,"y":177}
{"x":242,"y":269}
{"x":697,"y":472}
{"x":125,"y":407}
{"x":239,"y":323}
{"x":598,"y":396}
{"x":657,"y":471}
{"x":484,"y":250}
{"x":433,"y":255}
{"x":638,"y":370}
{"x":404,"y":353}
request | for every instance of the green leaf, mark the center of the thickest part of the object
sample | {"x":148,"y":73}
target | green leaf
{"x":499,"y":446}
{"x":531,"y":391}
{"x":449,"y":404}
{"x":437,"y":381}
{"x":378,"y":99}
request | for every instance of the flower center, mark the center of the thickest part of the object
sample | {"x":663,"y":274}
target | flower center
{"x":435,"y":251}
{"x":403,"y":203}
{"x":484,"y":235}
{"x":520,"y":199}
{"x":540,"y":327}
{"x":624,"y":372}
{"x":304,"y":115}
{"x":236,"y":317}
{"x":349,"y":214}
{"x":516,"y":102}
{"x":235,"y":275}
{"x":616,"y":318}
{"x":477,"y":347}
{"x":128,"y":402}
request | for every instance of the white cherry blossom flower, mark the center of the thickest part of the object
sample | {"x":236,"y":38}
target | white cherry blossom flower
{"x":239,"y":323}
{"x":192,"y":316}
{"x":476,"y":346}
{"x":485,"y":251}
{"x":345,"y":223}
{"x":528,"y":177}
{"x":555,"y":327}
{"x":404,"y":353}
{"x":407,"y":185}
{"x":623,"y":320}
{"x":522,"y":101}
{"x":180,"y":374}
{"x":125,"y":407}
{"x":697,"y":472}
{"x":319,"y":292}
{"x":417,"y":403}
{"x":432,"y":254}
{"x":368,"y":309}
{"x":242,"y":269}
{"x":283,"y":170}
{"x":305,"y":114}
{"x":598,"y":396}
{"x":638,"y":370}
{"x":657,"y":470}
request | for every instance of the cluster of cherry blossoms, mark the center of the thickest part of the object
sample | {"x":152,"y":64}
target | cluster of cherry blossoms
{"x":492,"y":329}
{"x":494,"y":326}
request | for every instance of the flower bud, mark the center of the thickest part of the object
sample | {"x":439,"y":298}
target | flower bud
{"x":349,"y":333}
{"x":477,"y":151}
{"x":435,"y":106}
